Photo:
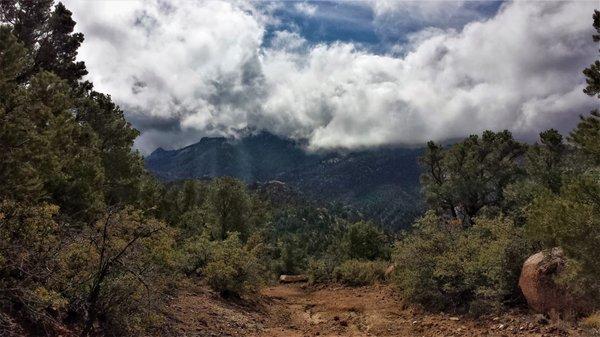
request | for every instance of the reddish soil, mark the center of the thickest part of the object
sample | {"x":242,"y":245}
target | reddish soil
{"x":296,"y":310}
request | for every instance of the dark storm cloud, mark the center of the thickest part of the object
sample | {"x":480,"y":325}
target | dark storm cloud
{"x":144,"y":122}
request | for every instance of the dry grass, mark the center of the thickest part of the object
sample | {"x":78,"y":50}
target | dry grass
{"x":592,"y":321}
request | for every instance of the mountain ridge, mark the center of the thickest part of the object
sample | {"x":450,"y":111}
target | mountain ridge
{"x":383,"y":183}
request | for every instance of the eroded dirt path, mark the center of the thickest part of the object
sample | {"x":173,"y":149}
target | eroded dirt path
{"x":296,"y":310}
{"x":332,"y":311}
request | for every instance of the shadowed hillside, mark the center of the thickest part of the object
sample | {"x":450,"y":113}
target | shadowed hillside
{"x":383,"y":183}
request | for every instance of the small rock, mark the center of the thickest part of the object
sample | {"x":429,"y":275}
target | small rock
{"x":293,"y":278}
{"x":541,"y":319}
{"x":454,"y":319}
{"x":390,"y":271}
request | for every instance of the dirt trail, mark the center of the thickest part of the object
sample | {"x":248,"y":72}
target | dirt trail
{"x":296,"y":310}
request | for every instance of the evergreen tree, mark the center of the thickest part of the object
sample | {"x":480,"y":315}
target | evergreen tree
{"x":471,"y":174}
{"x":48,"y":155}
{"x":229,"y":205}
{"x":434,"y":178}
{"x":592,"y":73}
{"x":544,"y":161}
{"x":570,"y":218}
{"x":48,"y":36}
{"x":47,"y":33}
{"x":363,"y":240}
{"x":586,"y":136}
{"x":17,"y":174}
{"x":124,"y":169}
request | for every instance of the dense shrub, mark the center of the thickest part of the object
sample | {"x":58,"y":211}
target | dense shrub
{"x":195,"y":253}
{"x":363,"y":240}
{"x":291,"y":256}
{"x":320,"y":270}
{"x":233,"y":269}
{"x":360,"y":272}
{"x":116,"y":271}
{"x":571,"y":220}
{"x":300,"y":233}
{"x":110,"y":273}
{"x":442,"y":266}
{"x":29,"y":241}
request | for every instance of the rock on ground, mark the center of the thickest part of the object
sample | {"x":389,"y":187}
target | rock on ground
{"x":543,"y":294}
{"x":293,"y":278}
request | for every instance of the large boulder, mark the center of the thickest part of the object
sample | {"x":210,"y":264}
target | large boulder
{"x":542,"y":292}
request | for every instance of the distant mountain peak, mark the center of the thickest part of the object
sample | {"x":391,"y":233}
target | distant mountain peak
{"x":158,"y":151}
{"x":382,"y":181}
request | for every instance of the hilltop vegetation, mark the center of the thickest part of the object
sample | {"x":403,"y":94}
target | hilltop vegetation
{"x":381,"y":183}
{"x":92,"y":244}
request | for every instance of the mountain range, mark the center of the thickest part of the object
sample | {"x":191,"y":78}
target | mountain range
{"x":382,"y":183}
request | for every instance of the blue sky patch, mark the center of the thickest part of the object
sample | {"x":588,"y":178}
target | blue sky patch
{"x":356,"y":22}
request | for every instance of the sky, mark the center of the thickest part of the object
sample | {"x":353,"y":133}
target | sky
{"x":350,"y":74}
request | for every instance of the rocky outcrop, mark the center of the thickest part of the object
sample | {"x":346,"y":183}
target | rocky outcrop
{"x":539,"y":286}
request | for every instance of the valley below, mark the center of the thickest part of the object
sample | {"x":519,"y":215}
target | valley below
{"x":297,"y":310}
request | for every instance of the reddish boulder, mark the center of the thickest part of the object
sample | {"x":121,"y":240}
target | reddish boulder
{"x":537,"y":282}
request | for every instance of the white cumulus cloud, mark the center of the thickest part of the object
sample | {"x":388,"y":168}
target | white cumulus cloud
{"x":306,"y":8}
{"x":191,"y":69}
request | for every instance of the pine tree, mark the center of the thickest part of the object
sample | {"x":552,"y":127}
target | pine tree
{"x":124,"y":168}
{"x":48,"y":36}
{"x":47,"y":33}
{"x":434,"y":178}
{"x":471,"y":174}
{"x":592,"y":73}
{"x":17,"y":173}
{"x":586,"y":136}
{"x":544,"y":161}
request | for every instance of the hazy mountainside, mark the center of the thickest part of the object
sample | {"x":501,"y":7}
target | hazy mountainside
{"x":383,"y":183}
{"x":253,"y":158}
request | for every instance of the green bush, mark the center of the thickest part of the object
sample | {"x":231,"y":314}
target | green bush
{"x":195,"y":253}
{"x":232,"y":268}
{"x":363,"y":240}
{"x":117,"y":272}
{"x":360,"y":272}
{"x":319,"y":271}
{"x":29,"y":241}
{"x":443,"y":266}
{"x":291,"y":258}
{"x":571,"y":220}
